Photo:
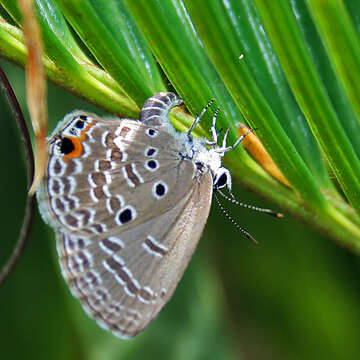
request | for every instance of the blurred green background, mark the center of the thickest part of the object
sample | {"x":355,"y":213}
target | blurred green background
{"x":295,"y":295}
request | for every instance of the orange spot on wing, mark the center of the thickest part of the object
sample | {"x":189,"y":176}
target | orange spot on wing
{"x":77,"y":142}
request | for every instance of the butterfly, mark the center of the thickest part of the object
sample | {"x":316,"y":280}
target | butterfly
{"x":128,"y":200}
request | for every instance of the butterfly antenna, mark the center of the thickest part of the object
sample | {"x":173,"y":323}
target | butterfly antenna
{"x":227,"y":215}
{"x":251,"y":207}
{"x":198,"y":118}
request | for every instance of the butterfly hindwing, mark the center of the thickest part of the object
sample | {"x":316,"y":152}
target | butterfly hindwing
{"x":125,"y":278}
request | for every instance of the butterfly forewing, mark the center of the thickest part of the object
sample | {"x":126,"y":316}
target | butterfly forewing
{"x":116,"y":171}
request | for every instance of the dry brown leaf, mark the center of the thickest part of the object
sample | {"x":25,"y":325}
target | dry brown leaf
{"x":253,"y":145}
{"x":35,"y":87}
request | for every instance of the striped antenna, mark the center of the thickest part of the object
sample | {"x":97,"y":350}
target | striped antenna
{"x":251,"y":207}
{"x":227,"y":215}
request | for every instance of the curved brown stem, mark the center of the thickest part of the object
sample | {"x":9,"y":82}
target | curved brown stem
{"x":29,"y":157}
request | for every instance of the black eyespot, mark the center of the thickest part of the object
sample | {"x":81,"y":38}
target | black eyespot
{"x":222,"y":181}
{"x":125,"y":216}
{"x":150,"y":152}
{"x":66,"y":146}
{"x":160,"y":189}
{"x":73,"y":132}
{"x":79,"y":124}
{"x":152,"y":164}
{"x":151,"y":132}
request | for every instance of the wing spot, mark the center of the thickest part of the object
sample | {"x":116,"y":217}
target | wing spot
{"x":90,"y":280}
{"x":146,"y":295}
{"x":159,"y":190}
{"x":71,"y":220}
{"x":57,"y":167}
{"x":163,"y":293}
{"x":114,"y":203}
{"x":116,"y":155}
{"x":98,"y":192}
{"x":109,"y":140}
{"x":103,"y":165}
{"x":154,"y":247}
{"x":124,"y":131}
{"x":79,"y":262}
{"x":150,"y":151}
{"x":126,"y":215}
{"x":66,"y":146}
{"x":112,"y":265}
{"x":97,"y":178}
{"x":132,"y":175}
{"x":80,"y":124}
{"x":98,"y":228}
{"x":55,"y":186}
{"x":59,"y":205}
{"x":151,"y":132}
{"x":111,"y":245}
{"x":152,"y":165}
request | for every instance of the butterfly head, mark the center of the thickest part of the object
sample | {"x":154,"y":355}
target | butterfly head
{"x":208,"y":153}
{"x":211,"y":159}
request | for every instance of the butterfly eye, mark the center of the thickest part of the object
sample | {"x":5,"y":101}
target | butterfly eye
{"x":200,"y":166}
{"x":222,"y":181}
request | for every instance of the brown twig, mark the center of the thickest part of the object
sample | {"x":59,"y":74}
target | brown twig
{"x":29,"y":156}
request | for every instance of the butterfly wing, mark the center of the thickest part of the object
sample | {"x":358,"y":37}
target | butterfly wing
{"x":123,"y":280}
{"x":128,"y":216}
{"x":110,"y":175}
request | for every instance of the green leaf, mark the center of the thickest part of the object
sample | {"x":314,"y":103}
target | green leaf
{"x":311,"y":95}
{"x":276,"y":86}
{"x":341,"y":43}
{"x":239,"y":80}
{"x":109,"y":52}
{"x":296,"y":81}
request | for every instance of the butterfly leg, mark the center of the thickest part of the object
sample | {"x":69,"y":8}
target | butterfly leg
{"x":156,"y":109}
{"x":241,"y":138}
{"x":223,"y":149}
